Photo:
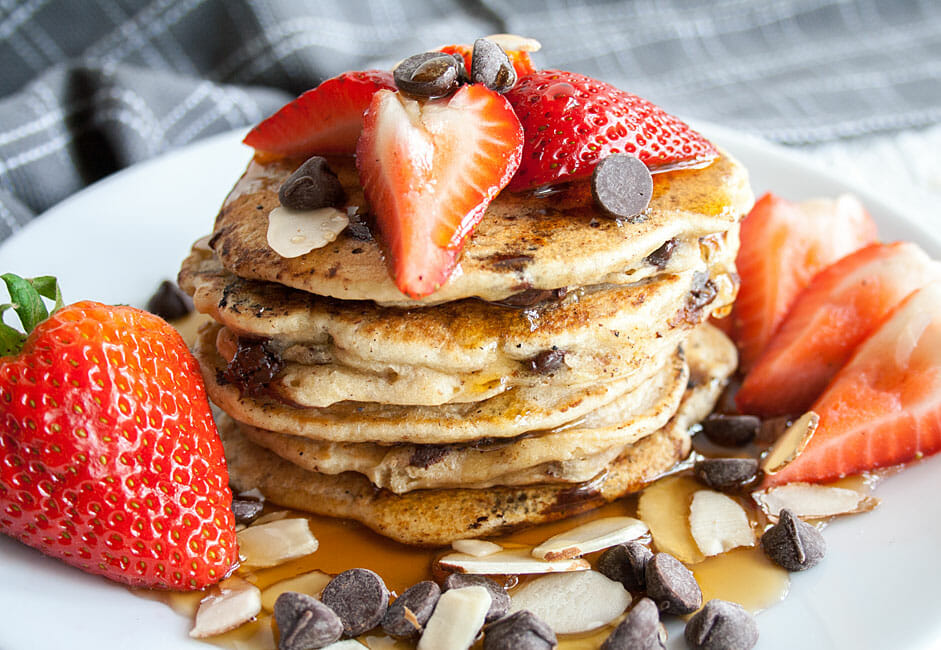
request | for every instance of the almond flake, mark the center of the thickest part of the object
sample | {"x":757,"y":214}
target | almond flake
{"x":718,"y":523}
{"x":791,"y":443}
{"x":277,"y":515}
{"x":475,"y":547}
{"x":591,"y":537}
{"x":457,"y":619}
{"x":233,"y":602}
{"x":292,"y":233}
{"x":510,"y":42}
{"x":572,"y":602}
{"x":664,"y":507}
{"x":809,"y":501}
{"x":516,"y":561}
{"x":349,"y":644}
{"x":307,"y":583}
{"x":276,"y":542}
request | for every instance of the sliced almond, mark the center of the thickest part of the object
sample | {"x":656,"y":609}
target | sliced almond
{"x":475,"y":547}
{"x":353,"y":644}
{"x":718,"y":523}
{"x":292,"y":233}
{"x":572,"y":602}
{"x":809,"y":501}
{"x":276,"y":542}
{"x":664,"y":507}
{"x":511,"y":42}
{"x":457,"y":619}
{"x":791,"y":443}
{"x":591,"y":537}
{"x":311,"y":584}
{"x":277,"y":515}
{"x":233,"y":602}
{"x":516,"y":561}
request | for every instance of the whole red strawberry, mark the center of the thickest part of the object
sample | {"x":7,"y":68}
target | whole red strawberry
{"x":572,"y":121}
{"x":109,"y":457}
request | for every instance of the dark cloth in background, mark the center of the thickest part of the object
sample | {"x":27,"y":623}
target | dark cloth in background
{"x":90,"y":86}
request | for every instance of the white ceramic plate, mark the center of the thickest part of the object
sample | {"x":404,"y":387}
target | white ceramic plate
{"x":877,"y":588}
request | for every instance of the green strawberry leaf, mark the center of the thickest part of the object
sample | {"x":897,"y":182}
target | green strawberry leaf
{"x":26,"y":296}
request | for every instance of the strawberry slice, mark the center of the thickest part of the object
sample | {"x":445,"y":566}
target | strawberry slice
{"x":429,"y":169}
{"x":783,"y":245}
{"x":522,"y":62}
{"x":324,"y":120}
{"x":572,"y":121}
{"x":841,"y":306}
{"x":884,"y":407}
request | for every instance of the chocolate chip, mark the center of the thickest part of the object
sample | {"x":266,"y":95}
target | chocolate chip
{"x":359,"y":226}
{"x":499,"y":599}
{"x":406,"y":617}
{"x":246,"y":510}
{"x":521,"y":630}
{"x":640,"y":630}
{"x":253,"y":366}
{"x":661,"y":257}
{"x":722,"y":625}
{"x":305,"y":622}
{"x":793,"y":544}
{"x":726,"y":473}
{"x":702,"y":292}
{"x":359,"y":597}
{"x":169,"y":302}
{"x":429,"y":74}
{"x":546,"y":361}
{"x":528,"y":298}
{"x":672,"y":586}
{"x":626,"y":563}
{"x":622,"y":186}
{"x":491,"y":66}
{"x":425,"y":456}
{"x":312,"y":186}
{"x":731,"y":430}
{"x":462,"y":75}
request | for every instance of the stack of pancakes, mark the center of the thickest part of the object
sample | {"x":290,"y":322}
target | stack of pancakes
{"x":560,"y":367}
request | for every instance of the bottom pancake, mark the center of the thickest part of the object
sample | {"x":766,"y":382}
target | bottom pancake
{"x":436,"y":517}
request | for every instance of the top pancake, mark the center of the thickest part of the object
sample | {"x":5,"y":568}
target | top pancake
{"x":524,"y":241}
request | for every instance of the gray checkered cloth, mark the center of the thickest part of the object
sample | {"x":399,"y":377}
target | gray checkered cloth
{"x":91,"y":86}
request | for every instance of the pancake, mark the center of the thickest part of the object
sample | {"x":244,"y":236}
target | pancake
{"x":439,"y":516}
{"x":544,"y":240}
{"x":464,"y":351}
{"x":506,"y":415}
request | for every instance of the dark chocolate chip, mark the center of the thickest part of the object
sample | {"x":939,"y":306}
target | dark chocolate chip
{"x":254,"y":365}
{"x":429,"y":74}
{"x":672,"y":586}
{"x":547,"y":361}
{"x":626,"y":563}
{"x":622,"y":186}
{"x":406,"y":617}
{"x":499,"y":599}
{"x":246,"y":510}
{"x":359,"y":597}
{"x":462,"y":74}
{"x":528,"y":298}
{"x":640,"y":630}
{"x":312,"y":186}
{"x":721,"y":625}
{"x":425,"y":456}
{"x":305,"y":622}
{"x":726,"y":473}
{"x":169,"y":302}
{"x":491,"y":66}
{"x":793,"y":544}
{"x":521,"y":630}
{"x":359,"y":226}
{"x":702,"y":292}
{"x":731,"y":430}
{"x":661,"y":257}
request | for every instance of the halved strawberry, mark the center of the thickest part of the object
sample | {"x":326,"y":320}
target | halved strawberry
{"x":884,"y":407}
{"x":522,"y":62}
{"x":429,"y":170}
{"x":572,"y":121}
{"x":840,"y":307}
{"x":783,"y":245}
{"x":324,"y":120}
